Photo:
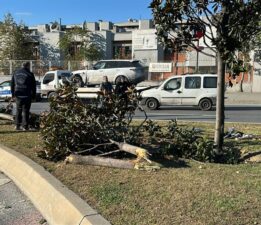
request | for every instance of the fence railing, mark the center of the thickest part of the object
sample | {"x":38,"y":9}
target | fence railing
{"x":40,"y":67}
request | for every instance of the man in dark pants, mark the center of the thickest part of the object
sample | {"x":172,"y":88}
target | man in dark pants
{"x":23,"y":88}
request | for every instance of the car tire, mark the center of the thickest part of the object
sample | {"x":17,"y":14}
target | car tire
{"x":52,"y":95}
{"x":205,"y":104}
{"x":118,"y":78}
{"x":77,"y":80}
{"x":152,"y":103}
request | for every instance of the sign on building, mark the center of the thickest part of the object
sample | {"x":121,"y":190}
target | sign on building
{"x":160,"y":67}
{"x":144,"y":39}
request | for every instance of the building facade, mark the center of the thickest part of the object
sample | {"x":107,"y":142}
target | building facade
{"x":134,"y":39}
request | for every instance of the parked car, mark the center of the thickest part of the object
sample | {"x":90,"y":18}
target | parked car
{"x":186,"y":90}
{"x":51,"y":81}
{"x":131,"y":70}
{"x":5,"y":90}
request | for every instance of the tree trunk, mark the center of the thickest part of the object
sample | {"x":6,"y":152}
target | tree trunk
{"x":141,"y":153}
{"x":242,"y":81}
{"x":99,"y":161}
{"x":220,"y":106}
{"x":5,"y":116}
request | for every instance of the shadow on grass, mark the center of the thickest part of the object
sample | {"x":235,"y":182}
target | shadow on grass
{"x":166,"y":163}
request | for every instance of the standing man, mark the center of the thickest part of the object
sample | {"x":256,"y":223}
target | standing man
{"x":23,"y":88}
{"x":106,"y":87}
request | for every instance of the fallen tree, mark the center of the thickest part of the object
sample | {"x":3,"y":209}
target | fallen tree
{"x":99,"y":161}
{"x":102,"y":133}
{"x":5,"y":116}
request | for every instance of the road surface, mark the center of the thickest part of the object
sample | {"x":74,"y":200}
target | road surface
{"x":233,"y":113}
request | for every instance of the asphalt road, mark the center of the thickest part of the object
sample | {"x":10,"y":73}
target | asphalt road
{"x":233,"y":113}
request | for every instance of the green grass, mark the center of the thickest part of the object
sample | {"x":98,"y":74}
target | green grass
{"x":187,"y":192}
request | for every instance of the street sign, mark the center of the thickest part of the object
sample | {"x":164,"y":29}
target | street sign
{"x":160,"y":67}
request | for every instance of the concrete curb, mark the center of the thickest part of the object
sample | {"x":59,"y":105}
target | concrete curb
{"x":57,"y":204}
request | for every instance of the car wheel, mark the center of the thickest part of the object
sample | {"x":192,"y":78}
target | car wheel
{"x":205,"y":104}
{"x":52,"y":95}
{"x":77,"y":80}
{"x":152,"y":103}
{"x":118,"y":78}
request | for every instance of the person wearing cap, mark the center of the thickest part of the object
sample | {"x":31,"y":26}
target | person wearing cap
{"x":23,"y":88}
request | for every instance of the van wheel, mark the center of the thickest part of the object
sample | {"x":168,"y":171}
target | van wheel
{"x":117,"y":80}
{"x":51,"y":95}
{"x":152,"y":103}
{"x":205,"y":104}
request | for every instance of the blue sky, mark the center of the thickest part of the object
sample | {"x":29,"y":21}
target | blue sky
{"x":33,"y":12}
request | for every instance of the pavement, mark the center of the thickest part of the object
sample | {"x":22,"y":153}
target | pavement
{"x":57,"y":204}
{"x":237,"y":98}
{"x":15,"y":207}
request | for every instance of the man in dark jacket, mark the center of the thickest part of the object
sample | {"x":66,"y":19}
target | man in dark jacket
{"x":23,"y":88}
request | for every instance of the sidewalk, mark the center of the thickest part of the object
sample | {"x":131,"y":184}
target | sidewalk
{"x":237,"y":98}
{"x":15,"y":208}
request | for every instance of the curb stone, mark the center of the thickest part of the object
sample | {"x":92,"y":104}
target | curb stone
{"x":57,"y":204}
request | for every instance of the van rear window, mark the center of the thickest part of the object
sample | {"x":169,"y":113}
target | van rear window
{"x":210,"y":82}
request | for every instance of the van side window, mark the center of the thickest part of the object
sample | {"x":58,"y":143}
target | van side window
{"x":48,"y":78}
{"x":173,"y":84}
{"x":193,"y":82}
{"x":210,"y":82}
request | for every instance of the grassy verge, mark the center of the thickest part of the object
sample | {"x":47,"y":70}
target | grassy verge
{"x":185,"y":193}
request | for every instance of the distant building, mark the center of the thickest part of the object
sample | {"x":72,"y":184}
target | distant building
{"x":125,"y":40}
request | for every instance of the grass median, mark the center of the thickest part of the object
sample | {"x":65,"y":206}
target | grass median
{"x":186,"y":192}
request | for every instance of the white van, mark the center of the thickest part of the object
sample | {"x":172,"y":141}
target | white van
{"x":51,"y":81}
{"x":186,"y":90}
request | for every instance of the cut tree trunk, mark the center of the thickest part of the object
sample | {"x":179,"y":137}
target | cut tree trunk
{"x":99,"y":161}
{"x":6,"y":117}
{"x":141,"y":153}
{"x":220,"y":106}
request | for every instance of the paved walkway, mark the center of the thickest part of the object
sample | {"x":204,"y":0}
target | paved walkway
{"x":243,"y":98}
{"x":15,"y":208}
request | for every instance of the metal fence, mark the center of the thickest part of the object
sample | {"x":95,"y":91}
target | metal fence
{"x":40,"y":67}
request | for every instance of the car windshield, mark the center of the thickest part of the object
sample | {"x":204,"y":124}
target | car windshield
{"x":5,"y":84}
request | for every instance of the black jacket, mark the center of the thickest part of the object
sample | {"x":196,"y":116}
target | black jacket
{"x":23,"y":84}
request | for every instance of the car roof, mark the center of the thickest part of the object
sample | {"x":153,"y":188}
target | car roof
{"x":198,"y":75}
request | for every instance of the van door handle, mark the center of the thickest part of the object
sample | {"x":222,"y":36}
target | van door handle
{"x":179,"y":92}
